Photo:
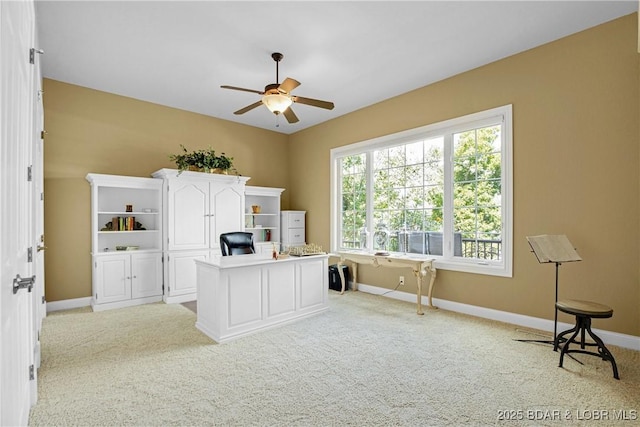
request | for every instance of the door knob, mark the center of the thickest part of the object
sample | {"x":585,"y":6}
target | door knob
{"x":41,"y":248}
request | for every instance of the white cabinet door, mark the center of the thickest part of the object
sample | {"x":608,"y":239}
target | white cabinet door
{"x":188,"y":210}
{"x":227,"y":211}
{"x":146,"y":275}
{"x":182,"y":272}
{"x":113,"y":278}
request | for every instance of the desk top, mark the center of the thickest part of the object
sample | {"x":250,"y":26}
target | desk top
{"x":239,"y":261}
{"x":393,"y":257}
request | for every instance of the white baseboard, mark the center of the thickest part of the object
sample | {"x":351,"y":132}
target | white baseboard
{"x":68,"y":304}
{"x":614,"y":338}
{"x":179,"y":299}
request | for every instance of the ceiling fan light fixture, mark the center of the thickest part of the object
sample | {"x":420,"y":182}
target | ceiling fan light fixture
{"x":277,"y":103}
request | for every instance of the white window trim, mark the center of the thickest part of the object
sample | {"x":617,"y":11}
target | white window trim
{"x":495,"y":268}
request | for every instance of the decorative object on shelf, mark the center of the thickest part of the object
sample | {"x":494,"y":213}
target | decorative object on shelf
{"x":381,"y":237}
{"x":255,"y":209}
{"x":364,"y":237}
{"x":127,"y":248}
{"x":129,"y":208}
{"x":204,"y":160}
{"x":306,"y":250}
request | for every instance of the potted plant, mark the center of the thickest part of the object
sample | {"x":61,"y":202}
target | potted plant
{"x":204,"y":160}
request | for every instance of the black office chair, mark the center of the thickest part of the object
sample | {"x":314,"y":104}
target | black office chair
{"x":237,"y":243}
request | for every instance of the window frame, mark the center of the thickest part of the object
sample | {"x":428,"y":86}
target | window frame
{"x":502,"y":115}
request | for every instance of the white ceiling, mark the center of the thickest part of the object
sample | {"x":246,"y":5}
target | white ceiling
{"x":355,"y":54}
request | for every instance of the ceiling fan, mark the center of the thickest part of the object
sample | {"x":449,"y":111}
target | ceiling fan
{"x":277,"y":97}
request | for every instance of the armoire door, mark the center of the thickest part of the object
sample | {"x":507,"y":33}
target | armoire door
{"x":188,"y":214}
{"x":226,"y":207}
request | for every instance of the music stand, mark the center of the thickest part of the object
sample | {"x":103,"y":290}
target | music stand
{"x":552,"y":249}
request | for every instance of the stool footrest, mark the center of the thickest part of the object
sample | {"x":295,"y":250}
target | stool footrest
{"x":583,"y":327}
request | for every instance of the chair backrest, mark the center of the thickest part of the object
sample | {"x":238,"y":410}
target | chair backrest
{"x":237,"y":243}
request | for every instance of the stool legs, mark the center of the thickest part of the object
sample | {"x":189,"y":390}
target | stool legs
{"x":582,"y":327}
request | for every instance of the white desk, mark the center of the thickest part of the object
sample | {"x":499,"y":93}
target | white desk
{"x":242,"y":294}
{"x":419,"y":266}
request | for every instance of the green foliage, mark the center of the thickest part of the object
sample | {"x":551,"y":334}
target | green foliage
{"x":204,"y":159}
{"x":477,"y":185}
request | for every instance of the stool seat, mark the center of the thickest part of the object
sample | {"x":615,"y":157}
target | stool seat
{"x":584,"y":312}
{"x":584,"y":308}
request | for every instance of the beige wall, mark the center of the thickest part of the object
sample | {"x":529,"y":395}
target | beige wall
{"x":92,"y":131}
{"x":576,"y":167}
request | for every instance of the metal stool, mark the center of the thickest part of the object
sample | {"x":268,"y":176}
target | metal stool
{"x":584,"y":312}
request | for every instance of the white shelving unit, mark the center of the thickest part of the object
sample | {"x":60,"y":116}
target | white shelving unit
{"x":127,"y":256}
{"x":264,"y":225}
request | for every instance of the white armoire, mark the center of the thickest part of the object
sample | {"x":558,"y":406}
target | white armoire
{"x":197,"y":208}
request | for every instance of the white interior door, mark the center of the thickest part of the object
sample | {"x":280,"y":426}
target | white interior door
{"x":38,"y":300}
{"x":17,"y":23}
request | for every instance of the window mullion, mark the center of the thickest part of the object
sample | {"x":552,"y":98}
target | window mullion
{"x":447,"y":209}
{"x":370,"y":201}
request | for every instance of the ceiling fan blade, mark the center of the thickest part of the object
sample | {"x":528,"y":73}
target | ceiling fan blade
{"x":259,"y":92}
{"x":288,"y":85}
{"x":290,"y":115}
{"x":248,"y":108}
{"x":313,"y":102}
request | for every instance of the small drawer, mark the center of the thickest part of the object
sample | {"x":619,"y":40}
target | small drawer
{"x":296,"y":235}
{"x":296,"y":219}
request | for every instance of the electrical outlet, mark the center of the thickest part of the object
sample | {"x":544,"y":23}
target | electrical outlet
{"x":401,"y":281}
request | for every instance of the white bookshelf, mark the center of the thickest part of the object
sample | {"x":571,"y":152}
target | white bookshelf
{"x":264,"y":225}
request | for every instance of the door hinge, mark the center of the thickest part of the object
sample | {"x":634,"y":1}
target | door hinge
{"x":42,"y":134}
{"x":32,"y":372}
{"x":30,"y":173}
{"x":44,"y":301}
{"x":41,"y":197}
{"x":96,"y":296}
{"x":30,"y":254}
{"x":32,"y":54}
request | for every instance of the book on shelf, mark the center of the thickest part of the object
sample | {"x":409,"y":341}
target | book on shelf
{"x":119,"y":223}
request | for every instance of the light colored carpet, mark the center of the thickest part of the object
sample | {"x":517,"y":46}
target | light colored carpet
{"x":369,"y":360}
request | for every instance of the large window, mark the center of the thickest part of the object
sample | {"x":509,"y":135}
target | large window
{"x":442,"y":191}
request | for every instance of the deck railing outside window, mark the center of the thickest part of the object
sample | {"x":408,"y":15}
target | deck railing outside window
{"x":422,"y":244}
